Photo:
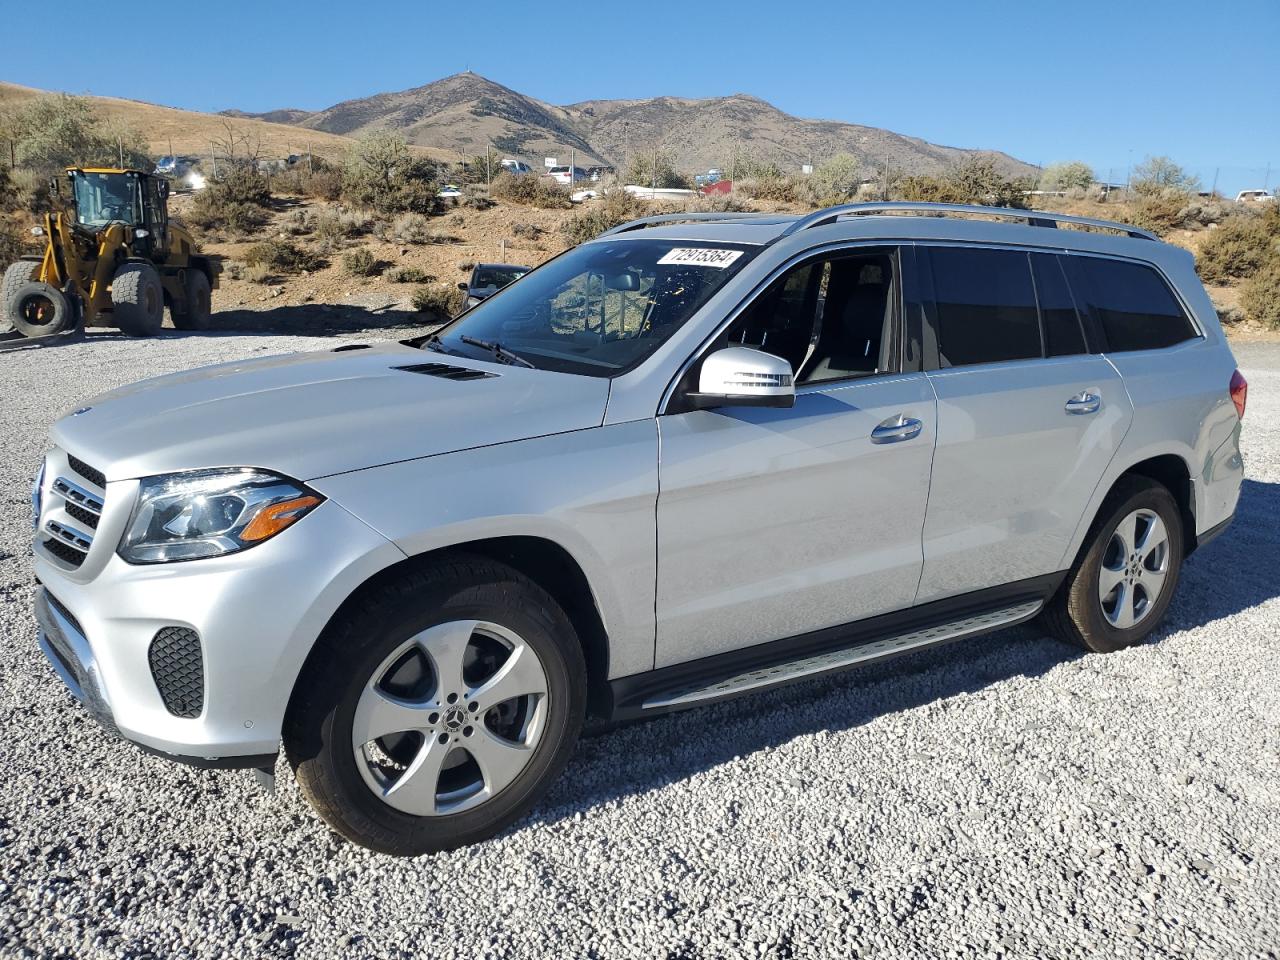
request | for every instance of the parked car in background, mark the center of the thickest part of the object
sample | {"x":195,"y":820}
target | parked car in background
{"x":684,"y":461}
{"x":1255,"y":196}
{"x":515,"y":166}
{"x":487,"y":279}
{"x":450,"y":191}
{"x":562,"y":174}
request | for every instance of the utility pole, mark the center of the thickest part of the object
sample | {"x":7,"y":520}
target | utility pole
{"x":120,"y":147}
{"x":655,"y":167}
{"x":1213,"y":191}
{"x":1266,"y":180}
{"x":488,"y":178}
{"x":213,"y":156}
{"x":573,"y":166}
{"x":311,"y":167}
{"x":172,"y":157}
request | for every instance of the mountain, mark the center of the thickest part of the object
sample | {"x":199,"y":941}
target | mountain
{"x":466,"y":111}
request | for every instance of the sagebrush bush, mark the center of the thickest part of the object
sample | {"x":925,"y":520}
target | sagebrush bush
{"x":411,"y":228}
{"x":719,"y":203}
{"x":437,"y":299}
{"x":333,"y":228}
{"x":1158,"y":211}
{"x":238,"y":202}
{"x":835,"y":181}
{"x":1260,"y":294}
{"x":256,"y":273}
{"x":780,"y":189}
{"x":1237,"y":249}
{"x":611,"y":208}
{"x":526,"y":231}
{"x":361,"y":263}
{"x":530,"y":189}
{"x":282,"y":256}
{"x":411,"y":275}
{"x":383,"y":174}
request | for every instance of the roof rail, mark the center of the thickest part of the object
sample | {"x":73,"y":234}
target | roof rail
{"x":680,"y":218}
{"x":1035,"y":218}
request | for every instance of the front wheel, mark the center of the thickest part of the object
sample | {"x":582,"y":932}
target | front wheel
{"x":1120,"y":586}
{"x":137,"y":300}
{"x":438,"y":708}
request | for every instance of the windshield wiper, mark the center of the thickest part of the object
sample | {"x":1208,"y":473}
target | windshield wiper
{"x":498,"y":350}
{"x":433,"y":342}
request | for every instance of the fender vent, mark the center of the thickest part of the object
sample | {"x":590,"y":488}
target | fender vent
{"x":447,"y":371}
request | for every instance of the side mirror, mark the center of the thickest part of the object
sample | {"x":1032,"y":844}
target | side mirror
{"x":743,"y":377}
{"x":463,"y":286}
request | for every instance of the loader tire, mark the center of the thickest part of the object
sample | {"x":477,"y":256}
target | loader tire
{"x":197,"y":314}
{"x":137,"y":296}
{"x":41,"y":310}
{"x":15,"y":276}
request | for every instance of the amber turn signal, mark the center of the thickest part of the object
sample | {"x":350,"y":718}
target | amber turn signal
{"x":276,"y":517}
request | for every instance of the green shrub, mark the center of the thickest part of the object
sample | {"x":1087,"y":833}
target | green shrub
{"x":437,"y":299}
{"x":927,"y":188}
{"x":362,"y":263}
{"x":238,"y":202}
{"x":649,"y":170}
{"x":1237,"y":249}
{"x":1155,"y":175}
{"x":282,"y":256}
{"x":383,"y":174}
{"x":333,"y":228}
{"x":719,"y":203}
{"x":1066,"y":176}
{"x":411,"y":275}
{"x":780,"y":189}
{"x":613,"y":207}
{"x":1158,"y":212}
{"x":52,"y":132}
{"x":835,"y":181}
{"x":530,"y":189}
{"x":1260,"y":294}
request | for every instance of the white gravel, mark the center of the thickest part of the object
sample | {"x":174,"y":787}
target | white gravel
{"x":1005,"y":796}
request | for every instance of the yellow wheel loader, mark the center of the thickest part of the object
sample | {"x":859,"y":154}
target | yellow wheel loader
{"x":111,"y":258}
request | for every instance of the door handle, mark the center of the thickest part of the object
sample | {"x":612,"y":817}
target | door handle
{"x":1084,"y":402}
{"x":896,"y":429}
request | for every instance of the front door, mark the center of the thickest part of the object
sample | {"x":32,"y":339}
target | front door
{"x":776,"y":522}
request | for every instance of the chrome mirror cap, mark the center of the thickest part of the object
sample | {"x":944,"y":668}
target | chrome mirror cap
{"x":744,"y":377}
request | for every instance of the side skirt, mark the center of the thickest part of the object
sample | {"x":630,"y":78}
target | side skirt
{"x":770,"y":665}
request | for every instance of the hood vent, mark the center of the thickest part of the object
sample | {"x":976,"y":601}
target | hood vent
{"x":447,"y":371}
{"x":350,"y":346}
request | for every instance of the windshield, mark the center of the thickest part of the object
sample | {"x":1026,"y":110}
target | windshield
{"x":104,"y":197}
{"x":599,"y":309}
{"x":497,"y":277}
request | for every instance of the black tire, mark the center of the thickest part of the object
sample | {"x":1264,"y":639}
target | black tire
{"x":1076,"y":614}
{"x":137,"y":297}
{"x":15,"y":276}
{"x":199,"y":308}
{"x":41,"y":310}
{"x":318,"y":727}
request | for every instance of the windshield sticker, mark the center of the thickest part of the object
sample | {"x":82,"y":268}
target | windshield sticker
{"x":701,"y":257}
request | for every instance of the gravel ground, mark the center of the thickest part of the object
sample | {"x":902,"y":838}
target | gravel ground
{"x":1004,"y":796}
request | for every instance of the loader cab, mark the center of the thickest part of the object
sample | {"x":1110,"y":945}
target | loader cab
{"x":135,"y":199}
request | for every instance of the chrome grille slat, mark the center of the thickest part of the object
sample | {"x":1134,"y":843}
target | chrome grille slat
{"x":72,"y":537}
{"x":74,"y":493}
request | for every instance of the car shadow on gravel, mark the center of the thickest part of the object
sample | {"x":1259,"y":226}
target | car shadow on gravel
{"x":647,"y":755}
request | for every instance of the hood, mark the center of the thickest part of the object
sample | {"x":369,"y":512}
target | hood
{"x":309,"y":415}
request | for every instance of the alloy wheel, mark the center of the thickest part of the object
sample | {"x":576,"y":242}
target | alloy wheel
{"x":450,"y":718}
{"x":1134,"y":568}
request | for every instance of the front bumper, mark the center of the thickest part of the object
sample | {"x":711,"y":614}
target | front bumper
{"x":257,"y":614}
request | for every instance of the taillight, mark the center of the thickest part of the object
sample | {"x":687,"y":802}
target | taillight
{"x":1239,"y":392}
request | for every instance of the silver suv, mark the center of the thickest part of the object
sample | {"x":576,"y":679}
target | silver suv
{"x":698,"y":456}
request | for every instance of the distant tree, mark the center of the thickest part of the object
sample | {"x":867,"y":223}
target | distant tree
{"x":747,"y":167}
{"x":1064,"y":176}
{"x":57,"y":130}
{"x":1155,"y":174}
{"x":641,"y":171}
{"x":834,"y":181}
{"x":977,"y":178}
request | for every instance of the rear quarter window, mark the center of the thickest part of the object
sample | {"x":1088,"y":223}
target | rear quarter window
{"x":1131,"y":303}
{"x":985,"y":305}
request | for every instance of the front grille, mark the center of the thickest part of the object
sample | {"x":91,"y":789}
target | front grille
{"x":96,"y":477}
{"x":86,"y":517}
{"x":68,"y":555}
{"x":177,"y":667}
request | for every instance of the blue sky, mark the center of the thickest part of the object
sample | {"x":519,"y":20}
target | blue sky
{"x":1103,"y":82}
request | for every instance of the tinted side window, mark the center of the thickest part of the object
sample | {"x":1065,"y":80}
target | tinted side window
{"x":1132,"y":303}
{"x":986,"y":306}
{"x":1063,"y":335}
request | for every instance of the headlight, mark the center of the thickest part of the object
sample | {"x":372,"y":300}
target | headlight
{"x":208,"y":513}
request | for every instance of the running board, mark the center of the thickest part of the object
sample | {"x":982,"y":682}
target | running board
{"x":848,"y":657}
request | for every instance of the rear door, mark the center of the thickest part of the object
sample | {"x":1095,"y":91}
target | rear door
{"x":1028,"y":417}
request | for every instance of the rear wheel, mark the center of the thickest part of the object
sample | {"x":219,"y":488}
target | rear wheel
{"x":437,"y":709}
{"x":15,"y":275}
{"x":40,"y":310}
{"x":199,"y":303}
{"x":137,"y":298}
{"x":1119,"y":588}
